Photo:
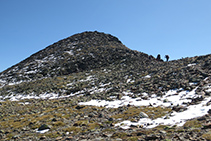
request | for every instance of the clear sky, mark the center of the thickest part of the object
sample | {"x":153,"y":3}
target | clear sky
{"x":179,"y":28}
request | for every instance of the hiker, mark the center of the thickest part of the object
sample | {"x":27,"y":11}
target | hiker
{"x":158,"y":57}
{"x":167,"y":57}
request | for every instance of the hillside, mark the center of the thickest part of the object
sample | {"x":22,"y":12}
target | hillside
{"x":78,"y":53}
{"x":90,"y":86}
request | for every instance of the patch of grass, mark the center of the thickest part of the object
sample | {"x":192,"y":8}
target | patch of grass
{"x":92,"y":126}
{"x":81,"y":123}
{"x":10,"y":135}
{"x":132,"y":139}
{"x":74,"y":130}
{"x":192,"y":124}
{"x":58,"y":123}
{"x":144,"y":132}
{"x":35,"y":126}
{"x":162,"y":127}
{"x":14,"y":123}
{"x":196,"y":130}
{"x":121,"y":135}
{"x":166,"y":128}
{"x":207,"y":136}
{"x":152,"y":112}
{"x":108,"y":130}
{"x":52,"y":135}
{"x":58,"y":115}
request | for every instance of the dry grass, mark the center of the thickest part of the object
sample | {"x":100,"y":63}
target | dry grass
{"x":152,"y":112}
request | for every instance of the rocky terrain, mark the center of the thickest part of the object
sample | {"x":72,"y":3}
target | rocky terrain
{"x":90,"y":86}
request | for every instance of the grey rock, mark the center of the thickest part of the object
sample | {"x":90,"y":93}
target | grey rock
{"x":59,"y":138}
{"x":118,"y":139}
{"x":209,"y":111}
{"x":143,"y":115}
{"x":43,"y":127}
{"x":79,"y":107}
{"x":16,"y":137}
{"x":99,"y":139}
{"x":42,"y":137}
{"x":152,"y":137}
{"x":179,"y":108}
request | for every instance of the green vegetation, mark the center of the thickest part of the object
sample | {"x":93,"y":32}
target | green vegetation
{"x":133,"y":112}
{"x":192,"y":124}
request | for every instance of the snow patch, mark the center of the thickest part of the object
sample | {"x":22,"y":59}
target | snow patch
{"x":18,"y":97}
{"x":70,"y":52}
{"x":24,"y":103}
{"x":147,"y":76}
{"x":177,"y":118}
{"x":42,"y":131}
{"x":170,"y":99}
{"x":89,"y":78}
{"x":130,"y":81}
{"x":31,"y":72}
{"x":189,"y":65}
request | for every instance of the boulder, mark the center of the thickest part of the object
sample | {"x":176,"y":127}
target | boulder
{"x":143,"y":115}
{"x":43,"y":127}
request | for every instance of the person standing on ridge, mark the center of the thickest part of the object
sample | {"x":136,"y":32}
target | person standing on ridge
{"x":158,"y":57}
{"x":167,"y":57}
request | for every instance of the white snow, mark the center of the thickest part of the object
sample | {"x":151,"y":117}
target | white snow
{"x":171,"y":98}
{"x":103,"y":85}
{"x":24,"y":103}
{"x":177,"y":118}
{"x":130,"y":81}
{"x":42,"y":131}
{"x":18,"y":97}
{"x":15,"y":83}
{"x":2,"y":81}
{"x":70,"y":52}
{"x":31,"y":72}
{"x":147,"y":76}
{"x":91,"y":54}
{"x":89,"y":78}
{"x":208,"y":90}
{"x":193,"y":83}
{"x":96,"y":90}
{"x":127,"y":92}
{"x":189,"y":65}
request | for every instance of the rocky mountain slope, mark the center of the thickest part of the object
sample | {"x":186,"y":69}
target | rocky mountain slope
{"x":80,"y":52}
{"x":90,"y":86}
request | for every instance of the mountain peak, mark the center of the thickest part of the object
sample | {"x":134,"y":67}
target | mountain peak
{"x":98,"y":35}
{"x":89,"y":39}
{"x":77,"y":53}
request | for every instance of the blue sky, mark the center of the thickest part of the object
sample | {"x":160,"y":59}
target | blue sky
{"x":180,"y":28}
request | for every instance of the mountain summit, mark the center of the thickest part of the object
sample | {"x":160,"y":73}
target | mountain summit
{"x":77,"y":53}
